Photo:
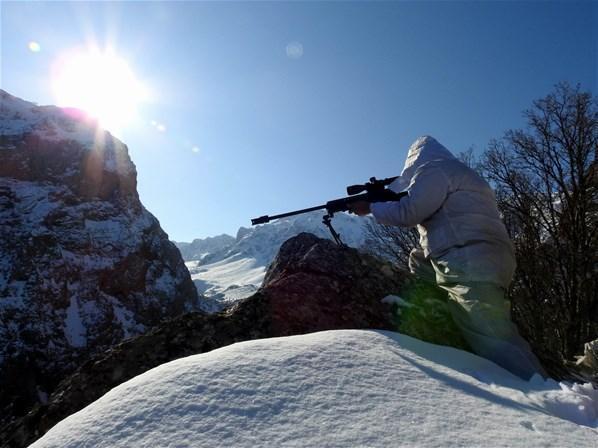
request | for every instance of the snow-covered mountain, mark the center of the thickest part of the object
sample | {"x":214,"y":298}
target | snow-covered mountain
{"x":82,"y":263}
{"x":226,"y":269}
{"x":204,"y":249}
{"x":343,"y":388}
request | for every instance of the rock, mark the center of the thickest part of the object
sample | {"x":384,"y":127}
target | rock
{"x":312,"y":285}
{"x":83,"y":265}
{"x":590,"y":355}
{"x":586,"y":366}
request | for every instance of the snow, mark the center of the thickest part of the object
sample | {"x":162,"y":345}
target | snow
{"x":161,"y":280}
{"x":74,"y":329}
{"x":20,"y":117}
{"x":32,"y":200}
{"x":51,"y":123}
{"x":200,"y":248}
{"x":334,"y":388}
{"x":215,"y":278}
{"x":111,"y":240}
{"x":106,"y":231}
{"x":126,"y":319}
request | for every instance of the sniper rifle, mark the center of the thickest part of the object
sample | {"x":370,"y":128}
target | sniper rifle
{"x":375,"y":191}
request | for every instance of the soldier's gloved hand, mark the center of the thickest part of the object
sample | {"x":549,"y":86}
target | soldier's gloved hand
{"x":360,"y":208}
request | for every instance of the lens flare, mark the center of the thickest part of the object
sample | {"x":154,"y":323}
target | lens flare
{"x":101,"y":83}
{"x":294,"y":50}
{"x":34,"y":47}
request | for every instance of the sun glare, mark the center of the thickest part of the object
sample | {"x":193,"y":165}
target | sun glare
{"x":100,"y":83}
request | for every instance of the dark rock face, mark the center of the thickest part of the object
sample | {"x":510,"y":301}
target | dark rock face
{"x":315,"y":285}
{"x":312,"y":285}
{"x":83,"y":265}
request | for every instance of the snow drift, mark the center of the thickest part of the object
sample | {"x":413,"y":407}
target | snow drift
{"x":334,"y":388}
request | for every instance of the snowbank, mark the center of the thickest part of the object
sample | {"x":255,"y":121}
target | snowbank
{"x":335,"y":388}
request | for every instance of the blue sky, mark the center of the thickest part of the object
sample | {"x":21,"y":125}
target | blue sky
{"x":286,"y":103}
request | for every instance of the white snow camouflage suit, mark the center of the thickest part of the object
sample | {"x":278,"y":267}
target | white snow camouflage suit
{"x":465,"y":249}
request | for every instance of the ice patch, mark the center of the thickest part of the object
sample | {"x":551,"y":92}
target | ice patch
{"x":126,"y":319}
{"x":165,"y":283}
{"x":74,"y":330}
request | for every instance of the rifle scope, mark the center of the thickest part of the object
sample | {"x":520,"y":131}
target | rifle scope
{"x":372,"y":185}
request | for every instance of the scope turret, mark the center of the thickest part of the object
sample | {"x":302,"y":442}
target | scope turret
{"x":355,"y":189}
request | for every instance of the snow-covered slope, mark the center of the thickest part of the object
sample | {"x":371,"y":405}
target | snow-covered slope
{"x":226,"y":269}
{"x":336,"y":388}
{"x":50,"y":123}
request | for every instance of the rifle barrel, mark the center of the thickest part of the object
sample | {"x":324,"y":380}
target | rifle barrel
{"x":264,"y":219}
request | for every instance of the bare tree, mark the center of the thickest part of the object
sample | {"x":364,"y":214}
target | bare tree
{"x":547,"y":190}
{"x":391,"y":242}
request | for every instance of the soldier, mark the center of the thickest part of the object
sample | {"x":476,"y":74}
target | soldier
{"x":465,"y":249}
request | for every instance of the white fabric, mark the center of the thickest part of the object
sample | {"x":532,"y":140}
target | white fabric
{"x":479,"y":308}
{"x":465,"y":242}
{"x":452,"y":207}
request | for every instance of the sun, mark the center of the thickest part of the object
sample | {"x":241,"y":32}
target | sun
{"x":100,"y":83}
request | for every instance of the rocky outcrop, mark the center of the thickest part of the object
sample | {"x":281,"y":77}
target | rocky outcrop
{"x":315,"y":285}
{"x":312,"y":285}
{"x":83,"y":265}
{"x":586,"y":366}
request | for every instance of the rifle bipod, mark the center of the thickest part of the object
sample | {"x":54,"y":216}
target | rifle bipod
{"x":327,"y":220}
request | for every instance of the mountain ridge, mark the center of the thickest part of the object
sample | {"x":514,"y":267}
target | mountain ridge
{"x":83,"y":264}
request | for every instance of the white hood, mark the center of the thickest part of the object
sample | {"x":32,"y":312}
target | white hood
{"x":451,"y":205}
{"x":423,"y":150}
